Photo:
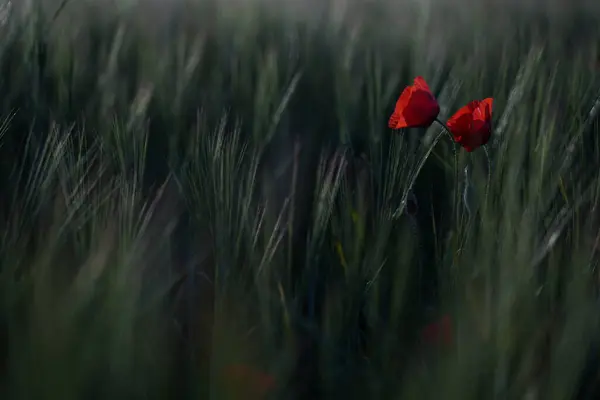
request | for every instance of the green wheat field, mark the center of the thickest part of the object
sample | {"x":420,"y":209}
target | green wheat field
{"x":201,"y":199}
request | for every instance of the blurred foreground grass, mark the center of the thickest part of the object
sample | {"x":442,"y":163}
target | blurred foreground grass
{"x":202,"y":200}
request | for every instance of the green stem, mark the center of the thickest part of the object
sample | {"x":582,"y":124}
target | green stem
{"x":489,"y":173}
{"x":443,"y":125}
{"x":456,"y":191}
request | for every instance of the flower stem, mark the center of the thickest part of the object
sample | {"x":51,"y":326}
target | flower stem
{"x":443,"y":125}
{"x":489,"y":173}
{"x":456,"y":196}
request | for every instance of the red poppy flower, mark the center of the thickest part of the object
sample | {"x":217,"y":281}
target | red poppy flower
{"x":416,"y":107}
{"x":471,"y":126}
{"x":438,"y":332}
{"x":254,"y":384}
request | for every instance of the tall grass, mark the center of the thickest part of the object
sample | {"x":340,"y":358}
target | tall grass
{"x":192,"y":186}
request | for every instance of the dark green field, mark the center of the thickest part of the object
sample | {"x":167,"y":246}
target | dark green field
{"x":201,"y":199}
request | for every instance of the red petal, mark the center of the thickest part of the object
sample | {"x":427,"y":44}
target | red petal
{"x":466,"y":110}
{"x":488,"y":104}
{"x":397,"y":121}
{"x":420,"y":83}
{"x":421,"y":110}
{"x":460,"y":123}
{"x":471,"y":125}
{"x":416,"y":107}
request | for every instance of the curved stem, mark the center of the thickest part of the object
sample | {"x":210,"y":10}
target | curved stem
{"x":489,"y":172}
{"x":443,"y":125}
{"x":413,"y":178}
{"x":456,"y":196}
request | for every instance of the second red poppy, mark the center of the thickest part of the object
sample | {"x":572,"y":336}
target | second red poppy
{"x":471,"y":126}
